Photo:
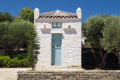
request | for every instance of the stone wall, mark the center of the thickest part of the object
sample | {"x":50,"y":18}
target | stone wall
{"x":70,"y":75}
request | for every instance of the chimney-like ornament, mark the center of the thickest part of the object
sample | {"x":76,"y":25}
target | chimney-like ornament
{"x":36,"y":13}
{"x":79,"y":12}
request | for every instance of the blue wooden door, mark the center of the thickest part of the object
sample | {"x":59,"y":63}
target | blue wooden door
{"x":56,"y":49}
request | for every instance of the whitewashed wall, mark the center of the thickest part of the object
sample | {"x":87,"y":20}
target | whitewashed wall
{"x":71,"y":41}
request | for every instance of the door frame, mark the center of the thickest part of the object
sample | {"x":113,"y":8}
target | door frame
{"x":51,"y":49}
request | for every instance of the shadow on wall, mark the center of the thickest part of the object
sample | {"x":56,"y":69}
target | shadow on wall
{"x":46,"y":31}
{"x":67,"y":31}
{"x":90,"y":62}
{"x":70,"y":31}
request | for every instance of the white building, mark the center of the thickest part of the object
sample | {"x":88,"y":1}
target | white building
{"x":59,"y":36}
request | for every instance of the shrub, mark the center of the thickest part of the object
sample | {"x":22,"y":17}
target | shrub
{"x":19,"y":63}
{"x":22,"y":56}
{"x":6,"y":61}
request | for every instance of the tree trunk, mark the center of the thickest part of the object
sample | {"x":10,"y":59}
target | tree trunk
{"x":101,"y":54}
{"x":93,"y":53}
{"x":104,"y":60}
{"x":103,"y":57}
{"x":118,"y":56}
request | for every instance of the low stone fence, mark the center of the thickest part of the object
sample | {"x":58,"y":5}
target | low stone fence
{"x":70,"y":75}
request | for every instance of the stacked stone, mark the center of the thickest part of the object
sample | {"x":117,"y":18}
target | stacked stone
{"x":70,"y":75}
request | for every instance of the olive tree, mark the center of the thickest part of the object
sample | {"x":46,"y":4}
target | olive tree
{"x":92,"y":29}
{"x":111,"y":35}
{"x":16,"y":35}
{"x":5,"y":37}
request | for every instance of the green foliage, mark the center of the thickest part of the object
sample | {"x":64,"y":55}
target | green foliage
{"x":92,"y":29}
{"x":3,"y":60}
{"x":22,"y":56}
{"x":111,"y":34}
{"x":17,"y":19}
{"x":6,"y":61}
{"x":16,"y":35}
{"x":19,"y":63}
{"x":27,"y":14}
{"x":8,"y":17}
{"x":1,"y":17}
{"x":3,"y":37}
{"x":5,"y":17}
{"x":32,"y":57}
{"x":103,"y":32}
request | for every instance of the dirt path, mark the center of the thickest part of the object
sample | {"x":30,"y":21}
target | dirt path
{"x":10,"y":73}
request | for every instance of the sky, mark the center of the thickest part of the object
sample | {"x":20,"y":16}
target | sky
{"x":89,"y":7}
